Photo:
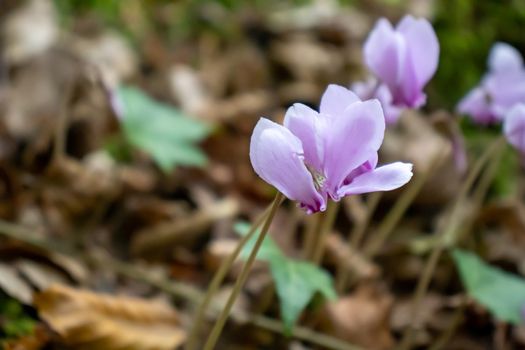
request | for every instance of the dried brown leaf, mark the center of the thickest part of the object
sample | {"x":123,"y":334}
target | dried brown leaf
{"x":14,"y":285}
{"x":361,"y":318}
{"x":86,"y":319}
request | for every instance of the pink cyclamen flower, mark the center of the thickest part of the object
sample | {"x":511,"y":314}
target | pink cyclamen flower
{"x":404,"y":58}
{"x":371,"y":88}
{"x":499,"y":90}
{"x":514,"y":127}
{"x":331,"y":153}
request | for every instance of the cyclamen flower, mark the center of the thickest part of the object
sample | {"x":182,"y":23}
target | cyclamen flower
{"x":499,"y":90}
{"x":514,"y":127}
{"x":331,"y":153}
{"x":371,"y":88}
{"x":403,"y":58}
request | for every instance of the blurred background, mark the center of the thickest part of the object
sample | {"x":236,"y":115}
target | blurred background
{"x":124,"y":133}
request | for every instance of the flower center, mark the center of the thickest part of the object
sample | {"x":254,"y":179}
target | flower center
{"x":318,"y":177}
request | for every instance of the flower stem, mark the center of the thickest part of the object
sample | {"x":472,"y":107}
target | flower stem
{"x":356,"y":236}
{"x":218,"y":278}
{"x":446,"y":237}
{"x":325,"y":229}
{"x":219,"y":324}
{"x":400,"y":207}
{"x":313,"y":223}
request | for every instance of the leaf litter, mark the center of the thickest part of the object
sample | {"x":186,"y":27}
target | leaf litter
{"x":76,"y":177}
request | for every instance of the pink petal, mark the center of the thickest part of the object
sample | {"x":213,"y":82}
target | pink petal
{"x":504,"y":58}
{"x":335,"y":100}
{"x":276,"y":156}
{"x":409,"y":92}
{"x":351,"y":140}
{"x":382,"y":52}
{"x":475,"y":104}
{"x":422,"y":45}
{"x":305,"y":123}
{"x":385,"y":178}
{"x":505,"y":89}
{"x":514,"y":127}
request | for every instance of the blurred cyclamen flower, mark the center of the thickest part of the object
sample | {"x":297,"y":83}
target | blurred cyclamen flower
{"x":403,"y":58}
{"x":369,"y":89}
{"x":331,"y":153}
{"x":499,"y":90}
{"x":514,"y":127}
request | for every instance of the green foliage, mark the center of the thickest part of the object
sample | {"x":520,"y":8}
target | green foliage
{"x":13,"y":321}
{"x":296,"y":281}
{"x":502,"y":293}
{"x":466,"y":30}
{"x":161,"y":130}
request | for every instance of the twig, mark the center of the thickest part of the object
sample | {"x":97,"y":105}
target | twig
{"x":175,"y":289}
{"x":59,"y":143}
{"x":165,"y":235}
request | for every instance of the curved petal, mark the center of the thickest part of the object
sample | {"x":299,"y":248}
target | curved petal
{"x":385,"y":178}
{"x":422,"y":45}
{"x":351,"y":140}
{"x":367,"y":166}
{"x":305,"y":123}
{"x":409,"y":92}
{"x":381,"y":52}
{"x":475,"y":104}
{"x":366,"y":89}
{"x":506,"y":89}
{"x":514,"y":127}
{"x":391,"y":111}
{"x":504,"y":58}
{"x":335,"y":100}
{"x":276,"y":156}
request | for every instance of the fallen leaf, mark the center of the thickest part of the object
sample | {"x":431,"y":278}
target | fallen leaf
{"x":14,"y":285}
{"x":96,"y":321}
{"x":361,"y":318}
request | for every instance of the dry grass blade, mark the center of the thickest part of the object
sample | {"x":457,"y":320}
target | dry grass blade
{"x":89,"y":320}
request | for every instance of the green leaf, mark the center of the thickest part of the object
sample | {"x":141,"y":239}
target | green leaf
{"x":296,"y":281}
{"x":161,"y":130}
{"x":502,"y":293}
{"x":15,"y":322}
{"x":269,"y":250}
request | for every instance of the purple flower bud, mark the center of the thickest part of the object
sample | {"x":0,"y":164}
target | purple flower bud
{"x":404,"y":58}
{"x":499,"y":90}
{"x":514,"y":127}
{"x":331,"y":153}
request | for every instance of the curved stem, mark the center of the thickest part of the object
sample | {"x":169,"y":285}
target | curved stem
{"x":356,"y":237}
{"x":218,"y":278}
{"x":400,"y":207}
{"x":326,"y":226}
{"x":219,"y":324}
{"x":313,"y":224}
